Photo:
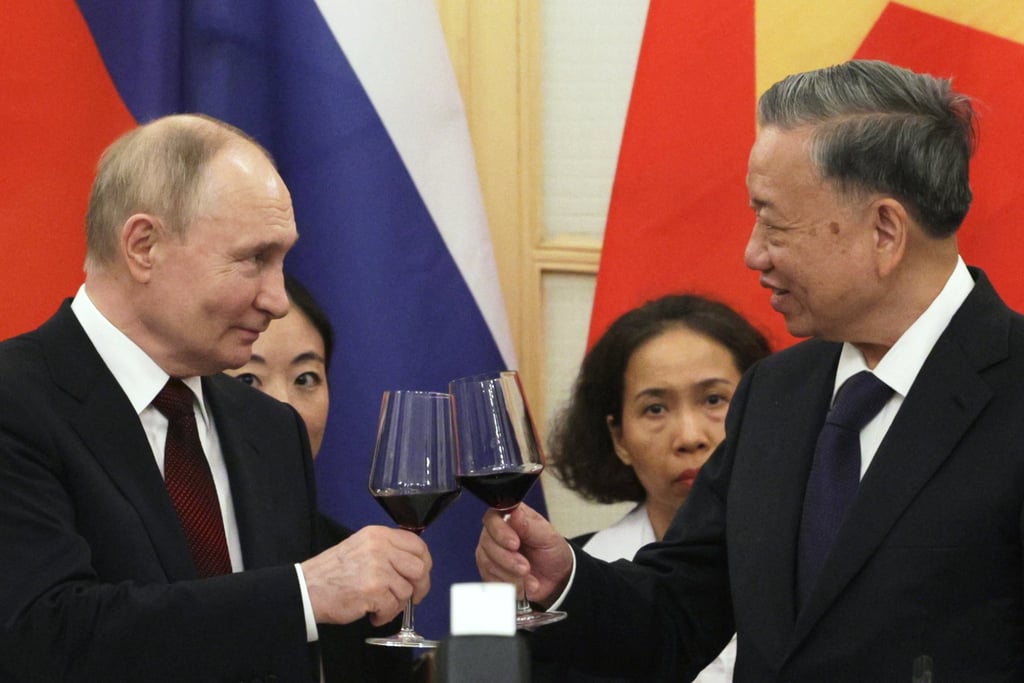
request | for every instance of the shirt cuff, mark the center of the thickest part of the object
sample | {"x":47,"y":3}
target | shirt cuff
{"x":568,"y":586}
{"x":307,"y":607}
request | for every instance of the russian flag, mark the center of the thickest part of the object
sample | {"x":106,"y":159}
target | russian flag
{"x":358,"y":104}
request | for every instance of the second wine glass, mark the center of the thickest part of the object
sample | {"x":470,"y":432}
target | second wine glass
{"x":499,"y":454}
{"x":412,"y":474}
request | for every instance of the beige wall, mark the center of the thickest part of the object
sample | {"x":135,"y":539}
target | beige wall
{"x":545,"y":85}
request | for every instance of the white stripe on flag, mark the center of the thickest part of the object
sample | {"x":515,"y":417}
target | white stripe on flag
{"x":398,"y":51}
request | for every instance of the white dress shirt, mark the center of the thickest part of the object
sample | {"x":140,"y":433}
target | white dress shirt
{"x":901,"y":364}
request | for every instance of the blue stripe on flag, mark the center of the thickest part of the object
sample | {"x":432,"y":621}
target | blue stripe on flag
{"x":369,"y":249}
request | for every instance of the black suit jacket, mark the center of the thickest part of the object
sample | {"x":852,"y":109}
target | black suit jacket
{"x":929,"y":561}
{"x":96,"y":580}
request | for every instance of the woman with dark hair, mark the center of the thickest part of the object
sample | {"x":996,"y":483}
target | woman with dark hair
{"x":291,"y":358}
{"x":647,"y":410}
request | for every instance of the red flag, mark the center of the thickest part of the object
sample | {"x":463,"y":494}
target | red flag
{"x":679,"y":220}
{"x":678,"y":217}
{"x":67,"y":112}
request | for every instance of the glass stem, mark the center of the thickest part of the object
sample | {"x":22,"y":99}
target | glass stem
{"x":407,"y":625}
{"x":523,"y":604}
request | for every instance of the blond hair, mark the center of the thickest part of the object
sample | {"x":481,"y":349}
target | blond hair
{"x":157,"y":169}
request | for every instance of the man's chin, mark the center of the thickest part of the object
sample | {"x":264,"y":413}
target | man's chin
{"x":798,"y":327}
{"x":234,"y":365}
{"x":237,"y":358}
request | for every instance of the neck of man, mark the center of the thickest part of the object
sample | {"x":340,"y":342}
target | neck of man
{"x":115,"y":296}
{"x":908,"y":291}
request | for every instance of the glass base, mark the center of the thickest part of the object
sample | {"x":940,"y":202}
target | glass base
{"x":404,"y":639}
{"x":531,"y":620}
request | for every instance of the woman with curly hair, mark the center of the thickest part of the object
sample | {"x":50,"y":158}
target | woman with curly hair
{"x":647,"y":410}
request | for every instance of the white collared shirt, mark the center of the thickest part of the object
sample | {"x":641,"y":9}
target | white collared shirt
{"x":624,"y":538}
{"x":901,"y":364}
{"x":141,"y":379}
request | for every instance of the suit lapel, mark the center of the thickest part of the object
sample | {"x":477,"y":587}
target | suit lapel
{"x":764,"y":514}
{"x":239,"y":454}
{"x":254,"y":453}
{"x":111,"y":431}
{"x":945,"y":399}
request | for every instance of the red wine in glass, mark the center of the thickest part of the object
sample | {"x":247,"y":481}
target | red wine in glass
{"x":414,"y":511}
{"x":499,"y":454}
{"x":504,"y":490}
{"x":412,"y":475}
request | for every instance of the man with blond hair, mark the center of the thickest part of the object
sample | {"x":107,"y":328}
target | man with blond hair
{"x":158,"y":519}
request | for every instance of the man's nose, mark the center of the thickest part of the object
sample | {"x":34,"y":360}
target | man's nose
{"x":755,"y":256}
{"x":272,"y":296}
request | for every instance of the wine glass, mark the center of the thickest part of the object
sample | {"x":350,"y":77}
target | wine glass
{"x":412,"y":475}
{"x":499,"y":454}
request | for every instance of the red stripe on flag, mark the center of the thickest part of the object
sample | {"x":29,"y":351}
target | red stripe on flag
{"x":678,"y":218}
{"x":58,"y":110}
{"x":988,"y":68}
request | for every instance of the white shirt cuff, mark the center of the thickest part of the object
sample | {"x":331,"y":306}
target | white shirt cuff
{"x":307,"y":607}
{"x":568,"y":586}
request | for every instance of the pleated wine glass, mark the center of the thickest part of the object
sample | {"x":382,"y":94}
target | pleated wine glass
{"x":499,"y":454}
{"x":412,"y":475}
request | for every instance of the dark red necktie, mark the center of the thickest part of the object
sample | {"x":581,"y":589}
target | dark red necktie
{"x":835,"y":473}
{"x":190,"y":483}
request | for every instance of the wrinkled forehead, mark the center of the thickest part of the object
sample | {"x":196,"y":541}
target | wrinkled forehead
{"x":779,"y":155}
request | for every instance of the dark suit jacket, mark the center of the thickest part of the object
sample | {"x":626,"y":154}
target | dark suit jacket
{"x":929,"y":561}
{"x":96,"y":580}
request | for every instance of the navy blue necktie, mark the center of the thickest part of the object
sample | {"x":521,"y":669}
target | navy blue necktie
{"x":835,"y":473}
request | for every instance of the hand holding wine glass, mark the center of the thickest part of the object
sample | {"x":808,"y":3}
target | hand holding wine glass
{"x":412,"y":474}
{"x":499,"y":454}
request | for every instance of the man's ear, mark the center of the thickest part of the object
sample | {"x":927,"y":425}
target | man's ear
{"x":891,"y":224}
{"x":615,"y":429}
{"x":139,"y":237}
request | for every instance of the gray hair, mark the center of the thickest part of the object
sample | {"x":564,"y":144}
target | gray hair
{"x":882,"y":128}
{"x":157,"y":169}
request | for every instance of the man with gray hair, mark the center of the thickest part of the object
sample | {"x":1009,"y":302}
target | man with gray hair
{"x":862,"y":520}
{"x":158,"y":520}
